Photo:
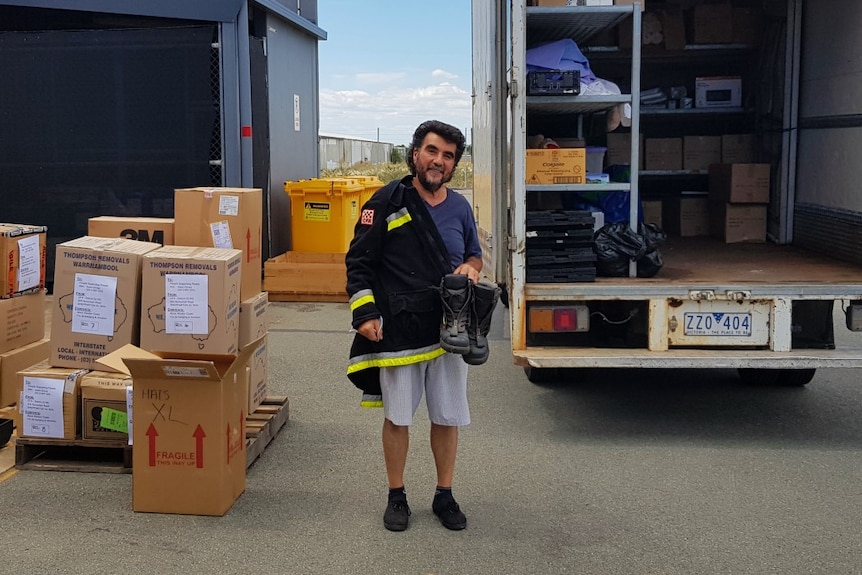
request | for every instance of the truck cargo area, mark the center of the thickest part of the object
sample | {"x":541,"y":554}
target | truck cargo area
{"x":709,"y":120}
{"x":632,"y":318}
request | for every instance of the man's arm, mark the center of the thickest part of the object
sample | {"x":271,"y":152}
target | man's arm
{"x":361,"y":259}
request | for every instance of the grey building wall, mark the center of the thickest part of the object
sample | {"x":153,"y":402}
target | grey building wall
{"x":292,"y":64}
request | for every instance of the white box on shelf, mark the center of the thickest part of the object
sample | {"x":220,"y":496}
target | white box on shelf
{"x":718,"y":92}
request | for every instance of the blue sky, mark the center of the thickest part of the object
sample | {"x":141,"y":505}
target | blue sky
{"x":389,"y":65}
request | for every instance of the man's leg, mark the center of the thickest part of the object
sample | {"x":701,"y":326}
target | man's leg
{"x":396,"y":441}
{"x":444,"y":446}
{"x":446,"y":395}
{"x":402,"y":391}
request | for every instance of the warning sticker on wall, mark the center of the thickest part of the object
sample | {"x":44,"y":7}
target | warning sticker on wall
{"x":316,"y":212}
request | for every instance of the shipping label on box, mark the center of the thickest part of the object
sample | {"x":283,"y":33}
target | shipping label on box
{"x":103,"y":406}
{"x":18,"y":359}
{"x":253,"y":318}
{"x":229,"y":218}
{"x":188,"y":427}
{"x":556,"y":166}
{"x":157,"y":230}
{"x":49,"y":404}
{"x":24,"y":252}
{"x":23,"y":320}
{"x":663,"y":154}
{"x":190,"y":300}
{"x":699,"y":152}
{"x":740,"y":183}
{"x":97,"y":296}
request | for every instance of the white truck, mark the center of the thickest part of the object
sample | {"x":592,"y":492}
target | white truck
{"x":765,"y":309}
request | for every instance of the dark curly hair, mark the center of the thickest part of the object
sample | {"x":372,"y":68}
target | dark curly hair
{"x":449,"y":133}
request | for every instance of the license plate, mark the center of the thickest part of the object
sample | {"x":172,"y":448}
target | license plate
{"x":717,"y":323}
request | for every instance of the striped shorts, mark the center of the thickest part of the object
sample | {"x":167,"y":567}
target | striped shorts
{"x":444,"y":382}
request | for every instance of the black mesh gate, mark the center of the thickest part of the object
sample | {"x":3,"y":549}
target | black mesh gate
{"x":106,"y":122}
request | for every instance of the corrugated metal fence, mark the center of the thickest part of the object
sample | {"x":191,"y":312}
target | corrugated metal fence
{"x":341,"y":152}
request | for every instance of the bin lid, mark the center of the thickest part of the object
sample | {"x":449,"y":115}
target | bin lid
{"x":333,"y":186}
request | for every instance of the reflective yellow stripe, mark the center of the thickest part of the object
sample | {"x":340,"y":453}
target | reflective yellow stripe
{"x":395,"y":361}
{"x":371,"y":403}
{"x":398,"y":222}
{"x":361,"y":302}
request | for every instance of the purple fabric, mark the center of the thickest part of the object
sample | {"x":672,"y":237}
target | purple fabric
{"x":560,"y":55}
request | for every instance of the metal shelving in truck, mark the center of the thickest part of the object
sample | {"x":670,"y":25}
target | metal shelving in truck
{"x":764,"y":308}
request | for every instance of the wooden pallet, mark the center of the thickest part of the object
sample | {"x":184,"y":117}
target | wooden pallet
{"x":95,"y":456}
{"x":90,"y":456}
{"x":263,"y":425}
{"x":306,"y":277}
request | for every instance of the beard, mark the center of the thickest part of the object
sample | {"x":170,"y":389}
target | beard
{"x":422,"y":174}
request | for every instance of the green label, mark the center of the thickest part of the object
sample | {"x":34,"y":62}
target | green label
{"x":114,"y":420}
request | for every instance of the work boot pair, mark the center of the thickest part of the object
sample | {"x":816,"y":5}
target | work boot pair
{"x":467,"y":311}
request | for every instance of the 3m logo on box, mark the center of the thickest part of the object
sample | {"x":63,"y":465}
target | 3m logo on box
{"x":156,"y":230}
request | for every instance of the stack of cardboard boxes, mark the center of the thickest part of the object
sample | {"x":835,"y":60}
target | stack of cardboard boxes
{"x":167,"y":342}
{"x":734,"y":206}
{"x":738,"y":198}
{"x":23,"y":249}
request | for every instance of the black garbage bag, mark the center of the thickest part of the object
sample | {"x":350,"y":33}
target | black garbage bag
{"x":650,"y":262}
{"x":616,"y":245}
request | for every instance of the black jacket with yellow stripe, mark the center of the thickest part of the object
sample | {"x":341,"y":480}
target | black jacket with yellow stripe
{"x":394,"y":266}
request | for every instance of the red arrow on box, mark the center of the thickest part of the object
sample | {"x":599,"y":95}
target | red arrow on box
{"x":228,"y":443}
{"x":152,"y":434}
{"x":199,"y":446}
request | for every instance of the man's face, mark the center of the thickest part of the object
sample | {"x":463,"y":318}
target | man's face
{"x":435,"y":162}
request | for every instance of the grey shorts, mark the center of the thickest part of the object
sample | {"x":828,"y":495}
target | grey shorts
{"x":442,"y":379}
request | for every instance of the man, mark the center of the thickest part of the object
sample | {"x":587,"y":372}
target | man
{"x":410,"y":235}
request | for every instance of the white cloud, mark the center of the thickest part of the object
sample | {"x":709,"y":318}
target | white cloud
{"x":443,"y":74}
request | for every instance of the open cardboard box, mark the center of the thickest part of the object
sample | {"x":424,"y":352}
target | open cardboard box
{"x":188,"y":428}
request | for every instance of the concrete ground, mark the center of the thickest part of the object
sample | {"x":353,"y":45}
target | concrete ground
{"x":609,"y":472}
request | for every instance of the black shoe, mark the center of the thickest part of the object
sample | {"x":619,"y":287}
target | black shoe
{"x":446,"y":508}
{"x":456,"y":294}
{"x":485,"y":298}
{"x":397,"y":515}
